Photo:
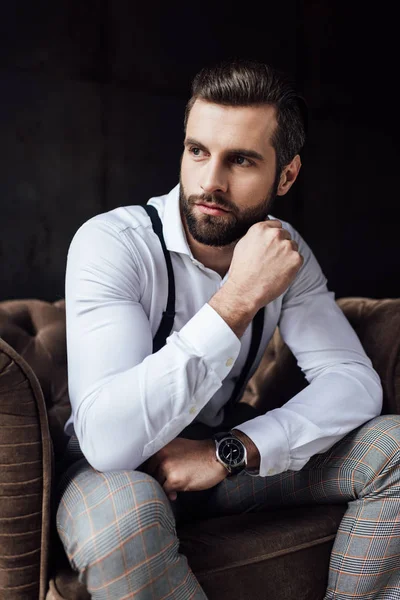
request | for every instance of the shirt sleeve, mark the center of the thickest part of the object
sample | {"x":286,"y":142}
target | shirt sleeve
{"x":344,"y":390}
{"x":127,"y":403}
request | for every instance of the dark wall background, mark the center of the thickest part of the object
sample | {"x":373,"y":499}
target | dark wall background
{"x":92,"y":95}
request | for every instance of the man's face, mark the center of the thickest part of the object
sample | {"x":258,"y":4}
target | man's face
{"x":228,"y":171}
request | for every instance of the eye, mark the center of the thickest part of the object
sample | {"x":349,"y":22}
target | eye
{"x":246,"y":163}
{"x":194,"y":150}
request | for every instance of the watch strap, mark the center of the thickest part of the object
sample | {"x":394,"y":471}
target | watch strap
{"x":222,"y":435}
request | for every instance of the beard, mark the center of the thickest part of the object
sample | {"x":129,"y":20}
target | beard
{"x":222,"y":230}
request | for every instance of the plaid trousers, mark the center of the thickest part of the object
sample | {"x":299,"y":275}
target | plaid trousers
{"x":118,"y":528}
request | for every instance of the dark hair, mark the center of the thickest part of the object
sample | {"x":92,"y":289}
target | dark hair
{"x":239,"y":82}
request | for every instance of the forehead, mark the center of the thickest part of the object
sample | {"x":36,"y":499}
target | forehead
{"x":239,"y":126}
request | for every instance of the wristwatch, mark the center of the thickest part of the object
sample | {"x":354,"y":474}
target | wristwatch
{"x":230,"y":452}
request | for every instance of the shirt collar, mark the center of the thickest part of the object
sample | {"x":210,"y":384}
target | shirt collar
{"x":173,"y":230}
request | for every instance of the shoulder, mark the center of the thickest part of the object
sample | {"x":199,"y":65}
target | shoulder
{"x":117,"y":221}
{"x":110,"y":241}
{"x":104,"y":257}
{"x":126,"y":229}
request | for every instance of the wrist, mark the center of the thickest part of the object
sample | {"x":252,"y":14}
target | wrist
{"x":253,"y":455}
{"x":214,"y":461}
{"x":237,"y":310}
{"x":241,"y":298}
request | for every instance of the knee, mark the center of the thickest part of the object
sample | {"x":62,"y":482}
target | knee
{"x":381,"y":438}
{"x":385,"y":426}
{"x":99,"y":512}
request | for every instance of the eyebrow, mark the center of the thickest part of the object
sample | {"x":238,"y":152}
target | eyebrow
{"x":242,"y":151}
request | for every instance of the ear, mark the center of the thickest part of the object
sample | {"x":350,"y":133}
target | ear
{"x":289,"y":176}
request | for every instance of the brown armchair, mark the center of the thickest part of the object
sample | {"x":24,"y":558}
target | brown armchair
{"x":284,"y":554}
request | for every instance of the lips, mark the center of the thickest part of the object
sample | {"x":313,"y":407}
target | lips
{"x":211,"y":209}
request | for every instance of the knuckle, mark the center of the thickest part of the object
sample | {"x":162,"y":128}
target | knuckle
{"x":257,"y":227}
{"x":173,"y":480}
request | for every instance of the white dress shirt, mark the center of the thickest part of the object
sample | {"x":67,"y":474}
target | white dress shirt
{"x":128,"y":403}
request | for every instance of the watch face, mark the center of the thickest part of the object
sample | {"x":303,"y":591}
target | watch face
{"x":231,"y":452}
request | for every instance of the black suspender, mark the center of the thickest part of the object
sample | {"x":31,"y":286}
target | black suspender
{"x":168,"y":316}
{"x":257,"y":327}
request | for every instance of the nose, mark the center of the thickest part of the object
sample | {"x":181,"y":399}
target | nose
{"x":213,"y":178}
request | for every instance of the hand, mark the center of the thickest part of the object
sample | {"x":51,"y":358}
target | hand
{"x":264,"y":263}
{"x":185,"y":466}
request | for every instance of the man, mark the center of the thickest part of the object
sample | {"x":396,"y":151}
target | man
{"x":135,"y":411}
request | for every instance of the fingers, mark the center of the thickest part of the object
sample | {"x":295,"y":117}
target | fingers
{"x":283,"y":233}
{"x":274,"y":223}
{"x":153,"y":467}
{"x":278,"y":227}
{"x":157,"y":474}
{"x":169,"y":490}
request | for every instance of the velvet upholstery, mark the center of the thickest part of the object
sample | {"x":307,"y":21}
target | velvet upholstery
{"x":280,"y":554}
{"x":25,"y":480}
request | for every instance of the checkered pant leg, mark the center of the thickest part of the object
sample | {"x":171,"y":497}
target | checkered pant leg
{"x":363,"y":470}
{"x":118,"y":531}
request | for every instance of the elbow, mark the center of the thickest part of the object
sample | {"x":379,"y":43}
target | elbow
{"x":104,"y":456}
{"x":108,"y":444}
{"x":373,"y":396}
{"x":98,"y":459}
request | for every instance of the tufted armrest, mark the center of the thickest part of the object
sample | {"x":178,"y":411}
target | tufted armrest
{"x":36,"y":330}
{"x":25,"y":480}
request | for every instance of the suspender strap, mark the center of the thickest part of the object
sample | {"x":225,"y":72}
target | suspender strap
{"x":168,"y":316}
{"x":257,"y":327}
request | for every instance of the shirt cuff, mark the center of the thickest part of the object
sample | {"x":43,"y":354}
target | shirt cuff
{"x":212,"y":338}
{"x":271,"y":441}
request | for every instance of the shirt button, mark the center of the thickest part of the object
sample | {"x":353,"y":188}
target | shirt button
{"x":192,"y":410}
{"x":229,"y":362}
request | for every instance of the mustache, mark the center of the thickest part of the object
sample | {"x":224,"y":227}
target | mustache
{"x":211,"y":199}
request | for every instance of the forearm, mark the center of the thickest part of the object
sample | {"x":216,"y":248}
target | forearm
{"x":238,"y":310}
{"x":119,"y":425}
{"x":334,"y":404}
